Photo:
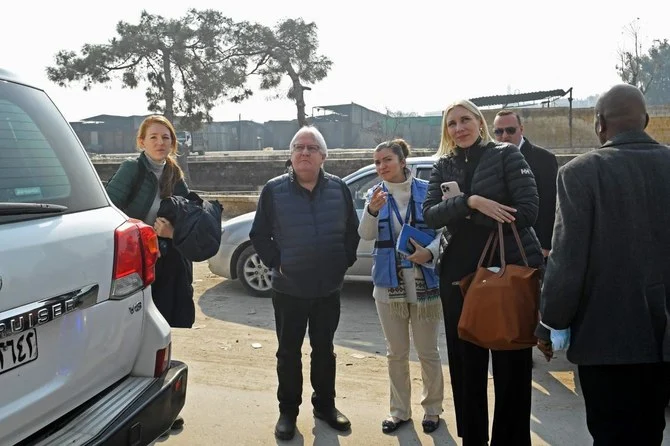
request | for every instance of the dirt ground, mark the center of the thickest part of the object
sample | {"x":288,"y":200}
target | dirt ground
{"x":231,"y":396}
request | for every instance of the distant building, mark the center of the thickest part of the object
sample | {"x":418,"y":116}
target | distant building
{"x":117,"y":134}
{"x":234,"y":135}
{"x":108,"y":133}
{"x":345,"y":126}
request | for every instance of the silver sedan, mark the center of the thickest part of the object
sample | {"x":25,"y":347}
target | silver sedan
{"x":237,"y":258}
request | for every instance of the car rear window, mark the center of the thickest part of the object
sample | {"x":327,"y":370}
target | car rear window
{"x":41,"y":160}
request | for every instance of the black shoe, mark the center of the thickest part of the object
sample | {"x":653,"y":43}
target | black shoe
{"x":389,"y":425}
{"x":178,"y":423}
{"x":334,"y":418}
{"x":285,"y":427}
{"x":430,"y":426}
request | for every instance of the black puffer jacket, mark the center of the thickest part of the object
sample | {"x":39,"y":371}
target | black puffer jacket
{"x":502,"y":175}
{"x":197,"y":225}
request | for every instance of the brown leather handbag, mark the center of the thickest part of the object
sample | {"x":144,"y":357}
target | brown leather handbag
{"x":500,"y":309}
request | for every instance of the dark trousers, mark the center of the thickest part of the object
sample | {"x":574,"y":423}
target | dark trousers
{"x":468,"y":367}
{"x":293,"y":315}
{"x":625,"y":404}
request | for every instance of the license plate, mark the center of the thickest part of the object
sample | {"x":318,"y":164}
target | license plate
{"x":18,"y":350}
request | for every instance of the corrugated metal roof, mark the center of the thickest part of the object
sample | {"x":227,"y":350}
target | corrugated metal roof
{"x":112,"y":117}
{"x":507,"y":99}
{"x":344,"y":109}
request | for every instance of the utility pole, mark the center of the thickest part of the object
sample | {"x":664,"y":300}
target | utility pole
{"x":570,"y":115}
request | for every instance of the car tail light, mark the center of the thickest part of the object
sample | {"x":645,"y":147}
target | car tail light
{"x":150,"y":252}
{"x":162,"y":361}
{"x":135,"y":255}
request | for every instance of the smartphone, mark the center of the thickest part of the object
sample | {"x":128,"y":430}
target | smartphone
{"x":450,"y":189}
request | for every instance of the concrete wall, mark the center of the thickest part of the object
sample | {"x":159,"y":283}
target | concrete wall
{"x":242,"y":175}
{"x":549,"y":127}
{"x":236,"y":182}
{"x":250,"y":173}
{"x":659,"y":123}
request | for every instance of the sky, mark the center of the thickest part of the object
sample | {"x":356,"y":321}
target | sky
{"x":416,"y":56}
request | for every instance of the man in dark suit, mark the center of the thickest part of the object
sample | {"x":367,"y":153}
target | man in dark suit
{"x":507,"y":127}
{"x":608,"y":276}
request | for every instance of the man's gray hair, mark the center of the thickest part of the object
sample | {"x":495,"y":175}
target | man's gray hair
{"x":316,"y":134}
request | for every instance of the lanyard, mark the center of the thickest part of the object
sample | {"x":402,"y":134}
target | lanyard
{"x":404,"y":263}
{"x":396,"y":211}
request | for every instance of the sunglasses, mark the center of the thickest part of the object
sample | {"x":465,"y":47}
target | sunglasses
{"x":500,"y":131}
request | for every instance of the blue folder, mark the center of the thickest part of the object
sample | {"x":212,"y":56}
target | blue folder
{"x":404,"y":246}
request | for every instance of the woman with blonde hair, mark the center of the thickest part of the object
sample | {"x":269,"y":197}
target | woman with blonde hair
{"x":496,"y":185}
{"x":137,"y":188}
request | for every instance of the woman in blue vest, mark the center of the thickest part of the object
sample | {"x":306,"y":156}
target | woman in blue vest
{"x":406,"y":289}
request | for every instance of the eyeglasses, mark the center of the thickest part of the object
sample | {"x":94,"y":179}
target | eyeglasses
{"x":311,"y":149}
{"x":500,"y":131}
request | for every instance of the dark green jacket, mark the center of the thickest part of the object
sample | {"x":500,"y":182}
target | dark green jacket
{"x":119,"y":188}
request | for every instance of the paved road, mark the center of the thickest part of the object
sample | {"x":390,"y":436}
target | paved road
{"x":232,"y":382}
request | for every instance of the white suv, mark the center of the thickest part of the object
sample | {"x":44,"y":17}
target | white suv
{"x":84,"y":353}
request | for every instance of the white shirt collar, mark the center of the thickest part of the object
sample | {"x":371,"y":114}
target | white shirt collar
{"x":521,"y":142}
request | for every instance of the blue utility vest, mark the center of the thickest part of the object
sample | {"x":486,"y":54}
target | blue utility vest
{"x":384,"y":268}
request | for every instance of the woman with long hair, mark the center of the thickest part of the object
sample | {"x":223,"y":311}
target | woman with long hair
{"x":137,"y":188}
{"x":496,"y":186}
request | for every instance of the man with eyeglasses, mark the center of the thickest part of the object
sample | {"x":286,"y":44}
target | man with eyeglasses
{"x":507,"y":127}
{"x":306,"y":230}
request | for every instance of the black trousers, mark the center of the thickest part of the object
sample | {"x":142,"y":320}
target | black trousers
{"x":468,"y":368}
{"x":625,"y":404}
{"x":293,"y":315}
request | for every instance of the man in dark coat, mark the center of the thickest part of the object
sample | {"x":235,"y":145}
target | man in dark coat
{"x":608,"y":276}
{"x":507,"y":127}
{"x":306,"y":230}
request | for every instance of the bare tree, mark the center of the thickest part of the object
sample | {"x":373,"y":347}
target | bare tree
{"x":631,"y":67}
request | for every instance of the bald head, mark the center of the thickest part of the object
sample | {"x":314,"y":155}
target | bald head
{"x":621,"y":109}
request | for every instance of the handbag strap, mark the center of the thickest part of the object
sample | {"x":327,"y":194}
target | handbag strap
{"x":493,"y":249}
{"x":501,"y":242}
{"x":518,"y":242}
{"x":490,"y":243}
{"x":497,"y":236}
